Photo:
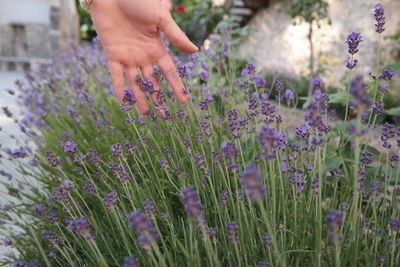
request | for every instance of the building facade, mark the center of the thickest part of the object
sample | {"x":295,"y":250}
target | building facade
{"x":31,"y":31}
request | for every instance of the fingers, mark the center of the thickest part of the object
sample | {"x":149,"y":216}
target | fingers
{"x":168,"y":68}
{"x":157,"y":97}
{"x":117,"y":75}
{"x":141,"y":103}
{"x":175,"y":35}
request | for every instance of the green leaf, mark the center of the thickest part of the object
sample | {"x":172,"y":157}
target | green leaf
{"x":339,"y":98}
{"x":393,"y":111}
{"x":332,"y":163}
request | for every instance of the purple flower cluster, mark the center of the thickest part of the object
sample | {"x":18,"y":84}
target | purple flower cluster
{"x":271,"y":140}
{"x":191,"y":200}
{"x":359,"y":92}
{"x":334,"y":219}
{"x":148,"y":234}
{"x":232,"y":228}
{"x":110,"y":200}
{"x":252,"y":180}
{"x":379,"y":15}
{"x":82,"y":226}
{"x":353,"y":41}
{"x":131,"y":261}
{"x":52,"y":237}
{"x":150,"y":208}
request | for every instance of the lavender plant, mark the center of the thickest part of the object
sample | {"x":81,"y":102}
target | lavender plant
{"x":219,"y":182}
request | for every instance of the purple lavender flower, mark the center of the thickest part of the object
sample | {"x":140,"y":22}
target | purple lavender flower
{"x":150,"y":208}
{"x":387,"y":74}
{"x":358,"y":89}
{"x":366,"y":157}
{"x":394,"y":160}
{"x":315,"y":186}
{"x":351,"y":64}
{"x":53,"y":215}
{"x":232,"y":228}
{"x":335,"y":219}
{"x":317,"y":83}
{"x":7,"y":242}
{"x":212,"y":231}
{"x":165,"y":216}
{"x":183,"y":71}
{"x":270,"y":140}
{"x":353,"y":41}
{"x":52,"y":237}
{"x":148,"y":234}
{"x":110,"y":200}
{"x":70,"y":147}
{"x":375,"y":189}
{"x":204,"y":75}
{"x":267,"y":240}
{"x":279,"y":86}
{"x":384,"y":88}
{"x":289,"y":95}
{"x":52,"y":159}
{"x":229,"y":149}
{"x":365,"y":222}
{"x":300,"y":182}
{"x":378,"y":107}
{"x":260,"y":81}
{"x":343,"y":207}
{"x":164,"y":164}
{"x":249,"y":71}
{"x":199,"y":161}
{"x":224,"y":198}
{"x":252,"y":180}
{"x":39,"y":210}
{"x":131,"y":261}
{"x":388,"y":132}
{"x":129,"y":97}
{"x":191,"y":200}
{"x":379,"y":15}
{"x":395,"y":224}
{"x":89,"y":187}
{"x":82,"y":226}
{"x":116,"y":150}
{"x":18,"y":153}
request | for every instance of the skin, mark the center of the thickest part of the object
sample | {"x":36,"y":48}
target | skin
{"x":129,"y":32}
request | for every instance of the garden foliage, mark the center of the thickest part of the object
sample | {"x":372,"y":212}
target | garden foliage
{"x":218,"y":182}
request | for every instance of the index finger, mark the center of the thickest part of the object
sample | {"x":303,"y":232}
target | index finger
{"x":169,"y":70}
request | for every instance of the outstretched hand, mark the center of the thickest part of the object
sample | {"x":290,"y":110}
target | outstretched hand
{"x":129,"y":32}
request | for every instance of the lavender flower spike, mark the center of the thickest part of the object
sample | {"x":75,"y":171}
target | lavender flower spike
{"x":148,"y":234}
{"x":252,"y":180}
{"x":131,"y":262}
{"x":379,"y":15}
{"x":191,"y":200}
{"x":353,"y":40}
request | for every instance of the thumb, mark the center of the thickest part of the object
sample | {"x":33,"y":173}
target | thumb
{"x":175,"y":35}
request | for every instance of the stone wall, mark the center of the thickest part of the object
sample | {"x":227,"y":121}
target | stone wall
{"x":281,"y":46}
{"x":24,"y":40}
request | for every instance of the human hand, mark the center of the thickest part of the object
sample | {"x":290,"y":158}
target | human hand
{"x":129,"y":32}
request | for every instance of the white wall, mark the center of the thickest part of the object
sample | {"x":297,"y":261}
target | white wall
{"x":24,"y":11}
